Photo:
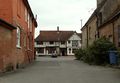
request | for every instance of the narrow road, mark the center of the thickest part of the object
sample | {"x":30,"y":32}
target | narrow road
{"x":62,"y":70}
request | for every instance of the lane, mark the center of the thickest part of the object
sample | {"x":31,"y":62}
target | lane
{"x":62,"y":70}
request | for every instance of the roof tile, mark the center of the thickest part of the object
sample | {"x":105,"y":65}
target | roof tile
{"x":54,"y":35}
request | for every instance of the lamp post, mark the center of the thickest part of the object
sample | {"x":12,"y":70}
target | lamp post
{"x":81,"y":22}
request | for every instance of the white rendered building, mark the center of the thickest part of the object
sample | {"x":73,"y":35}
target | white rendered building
{"x":60,"y":42}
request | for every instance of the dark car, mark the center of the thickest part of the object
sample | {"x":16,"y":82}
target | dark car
{"x":54,"y":55}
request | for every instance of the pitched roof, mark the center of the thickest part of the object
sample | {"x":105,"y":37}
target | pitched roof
{"x":80,"y":35}
{"x":54,"y":35}
{"x":91,"y":17}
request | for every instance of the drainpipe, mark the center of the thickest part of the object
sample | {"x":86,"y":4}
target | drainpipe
{"x":98,"y":34}
{"x":113,"y":33}
{"x":87,"y":35}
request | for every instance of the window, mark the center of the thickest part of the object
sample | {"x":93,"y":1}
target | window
{"x":18,"y":37}
{"x":75,"y":43}
{"x":69,"y":42}
{"x":119,"y":36}
{"x":62,"y":42}
{"x":25,"y":40}
{"x":40,"y":50}
{"x":18,"y":8}
{"x":50,"y":50}
{"x":26,"y":14}
{"x":30,"y":23}
{"x":39,"y":43}
{"x":69,"y":50}
{"x":28,"y":20}
{"x":51,"y":42}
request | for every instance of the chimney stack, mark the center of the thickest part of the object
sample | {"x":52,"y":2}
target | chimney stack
{"x":57,"y":28}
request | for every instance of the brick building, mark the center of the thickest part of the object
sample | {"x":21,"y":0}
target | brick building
{"x":106,"y":19}
{"x":109,"y":20}
{"x":18,"y":13}
{"x":89,"y":31}
{"x":6,"y":39}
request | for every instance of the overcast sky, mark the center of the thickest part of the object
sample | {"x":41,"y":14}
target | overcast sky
{"x":63,"y":13}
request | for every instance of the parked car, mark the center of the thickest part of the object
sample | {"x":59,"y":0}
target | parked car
{"x":54,"y":55}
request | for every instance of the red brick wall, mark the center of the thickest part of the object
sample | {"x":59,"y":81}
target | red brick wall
{"x":27,"y":50}
{"x":13,"y":11}
{"x":6,"y":10}
{"x":6,"y":55}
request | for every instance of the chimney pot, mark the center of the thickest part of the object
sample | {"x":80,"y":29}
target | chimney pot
{"x":57,"y":28}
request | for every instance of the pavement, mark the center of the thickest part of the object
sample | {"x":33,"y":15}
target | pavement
{"x":62,"y":70}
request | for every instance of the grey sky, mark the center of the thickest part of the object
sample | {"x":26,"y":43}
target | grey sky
{"x":63,"y":13}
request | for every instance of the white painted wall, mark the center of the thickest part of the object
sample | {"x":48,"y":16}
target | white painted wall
{"x":74,"y":37}
{"x":69,"y":45}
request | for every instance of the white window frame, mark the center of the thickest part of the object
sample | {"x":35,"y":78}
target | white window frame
{"x":18,"y":42}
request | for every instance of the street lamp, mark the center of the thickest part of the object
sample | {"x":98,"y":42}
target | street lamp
{"x":81,"y":23}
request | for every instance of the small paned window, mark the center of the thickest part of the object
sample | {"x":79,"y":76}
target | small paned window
{"x":75,"y":43}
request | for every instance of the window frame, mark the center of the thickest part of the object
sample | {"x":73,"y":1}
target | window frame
{"x":75,"y":43}
{"x":18,"y":34}
{"x":26,"y":14}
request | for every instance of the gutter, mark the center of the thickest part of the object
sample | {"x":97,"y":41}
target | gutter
{"x":30,"y":11}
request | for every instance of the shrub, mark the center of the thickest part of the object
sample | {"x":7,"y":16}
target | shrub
{"x":98,"y":53}
{"x":88,"y":57}
{"x":79,"y":53}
